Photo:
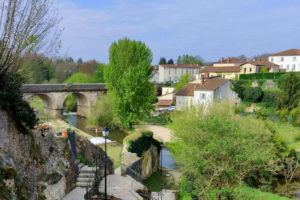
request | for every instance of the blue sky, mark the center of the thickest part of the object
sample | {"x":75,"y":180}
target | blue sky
{"x":209,"y":28}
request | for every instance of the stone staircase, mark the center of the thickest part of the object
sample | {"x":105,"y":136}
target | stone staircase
{"x":86,"y":175}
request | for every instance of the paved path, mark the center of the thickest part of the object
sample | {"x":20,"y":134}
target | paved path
{"x":164,"y":194}
{"x":159,"y":132}
{"x":122,"y":187}
{"x":76,"y":194}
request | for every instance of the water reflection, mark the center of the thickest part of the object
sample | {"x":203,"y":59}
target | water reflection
{"x":167,"y":160}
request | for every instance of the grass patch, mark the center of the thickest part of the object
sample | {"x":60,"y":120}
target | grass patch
{"x":36,"y":102}
{"x":157,"y":182}
{"x":289,"y":134}
{"x":247,"y":193}
{"x":115,"y":152}
{"x":133,"y":136}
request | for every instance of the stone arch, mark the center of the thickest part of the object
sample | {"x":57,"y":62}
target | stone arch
{"x":47,"y":100}
{"x":83,"y":102}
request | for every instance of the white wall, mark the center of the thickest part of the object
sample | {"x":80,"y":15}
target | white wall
{"x":204,"y":97}
{"x":184,"y":101}
{"x":289,"y":63}
{"x":173,"y":74}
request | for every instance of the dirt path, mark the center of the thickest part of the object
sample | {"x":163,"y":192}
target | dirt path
{"x":159,"y":132}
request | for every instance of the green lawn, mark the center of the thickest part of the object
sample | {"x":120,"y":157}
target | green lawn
{"x":115,"y":152}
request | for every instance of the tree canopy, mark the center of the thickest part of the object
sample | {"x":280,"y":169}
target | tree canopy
{"x":127,"y":79}
{"x":170,"y":61}
{"x":162,"y":61}
{"x":290,"y":96}
{"x":188,"y":59}
{"x":183,"y":80}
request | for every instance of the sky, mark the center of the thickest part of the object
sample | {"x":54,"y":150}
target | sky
{"x":209,"y":28}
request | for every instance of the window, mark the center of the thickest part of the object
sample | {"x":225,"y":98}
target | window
{"x":175,"y":70}
{"x":169,"y":70}
{"x":175,"y":79}
{"x":250,"y":69}
{"x":169,"y":78}
{"x":244,"y":70}
{"x":287,"y":67}
{"x":294,"y":67}
{"x":282,"y":59}
{"x":203,"y":95}
{"x":272,"y":59}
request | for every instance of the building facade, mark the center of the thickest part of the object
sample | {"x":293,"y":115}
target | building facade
{"x":288,"y":60}
{"x":172,"y":72}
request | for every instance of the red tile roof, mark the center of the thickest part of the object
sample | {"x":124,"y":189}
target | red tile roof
{"x":195,"y":66}
{"x":263,"y":62}
{"x":211,"y":84}
{"x":290,"y":52}
{"x":231,"y":60}
{"x":220,"y":69}
{"x":164,"y":102}
{"x":188,"y":89}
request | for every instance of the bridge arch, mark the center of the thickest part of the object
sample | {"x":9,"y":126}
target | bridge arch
{"x":83,"y":102}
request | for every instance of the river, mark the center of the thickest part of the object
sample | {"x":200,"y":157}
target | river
{"x":115,"y":135}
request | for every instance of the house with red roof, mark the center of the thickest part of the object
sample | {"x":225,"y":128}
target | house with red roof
{"x":288,"y":60}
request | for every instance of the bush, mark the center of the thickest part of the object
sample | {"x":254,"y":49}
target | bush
{"x":253,"y":94}
{"x":219,"y":149}
{"x":284,"y":113}
{"x":102,"y":114}
{"x":11,"y":100}
{"x":256,"y":76}
{"x":143,"y":143}
{"x":295,"y":116}
{"x":270,"y":98}
{"x":239,"y":87}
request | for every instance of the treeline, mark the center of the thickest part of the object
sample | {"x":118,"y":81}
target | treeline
{"x":39,"y":69}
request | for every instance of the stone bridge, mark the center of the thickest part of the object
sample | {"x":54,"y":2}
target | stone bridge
{"x":54,"y":95}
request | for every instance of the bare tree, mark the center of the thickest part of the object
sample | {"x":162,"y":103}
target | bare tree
{"x":26,"y":26}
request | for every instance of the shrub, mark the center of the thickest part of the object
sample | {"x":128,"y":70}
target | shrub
{"x":284,"y":113}
{"x":270,"y":98}
{"x":143,"y":143}
{"x":239,"y":87}
{"x":256,"y":76}
{"x":11,"y":100}
{"x":218,"y":149}
{"x":295,"y":116}
{"x":253,"y":94}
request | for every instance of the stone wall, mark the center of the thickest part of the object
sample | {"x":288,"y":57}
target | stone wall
{"x":144,"y":166}
{"x":38,"y":165}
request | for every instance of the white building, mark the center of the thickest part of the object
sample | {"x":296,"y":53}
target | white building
{"x":172,"y":72}
{"x":205,"y":92}
{"x":288,"y":60}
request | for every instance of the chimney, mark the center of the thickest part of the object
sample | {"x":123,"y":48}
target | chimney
{"x":228,"y":60}
{"x":202,"y":80}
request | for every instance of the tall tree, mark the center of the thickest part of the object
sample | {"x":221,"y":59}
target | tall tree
{"x":127,"y":79}
{"x":188,"y":59}
{"x":99,"y":73}
{"x":290,"y":96}
{"x":162,"y":61}
{"x":79,"y":61}
{"x":170,"y":61}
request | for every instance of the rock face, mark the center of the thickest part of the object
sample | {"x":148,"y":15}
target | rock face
{"x":144,"y":166}
{"x":37,"y":165}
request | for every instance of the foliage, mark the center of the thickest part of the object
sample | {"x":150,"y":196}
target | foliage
{"x":188,"y":59}
{"x":253,"y":94}
{"x":161,"y":120}
{"x":270,"y":98}
{"x":239,"y":87}
{"x":70,"y":103}
{"x":218,"y":149}
{"x":158,"y":181}
{"x":36,"y":102}
{"x":143,"y":143}
{"x":184,"y":194}
{"x":11,"y":99}
{"x":79,"y":61}
{"x":295,"y":116}
{"x":162,"y":61}
{"x":102,"y":114}
{"x":80,"y":78}
{"x":290,"y":96}
{"x":284,"y":113}
{"x":127,"y":78}
{"x":257,"y":76}
{"x":99,"y":73}
{"x":264,"y":70}
{"x":170,"y":61}
{"x":88,"y":67}
{"x":260,"y":82}
{"x":183,"y":80}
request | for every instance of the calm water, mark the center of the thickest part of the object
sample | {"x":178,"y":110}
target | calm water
{"x":81,"y":123}
{"x":167,"y":160}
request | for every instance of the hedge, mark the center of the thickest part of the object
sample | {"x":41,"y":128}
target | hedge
{"x":271,"y":75}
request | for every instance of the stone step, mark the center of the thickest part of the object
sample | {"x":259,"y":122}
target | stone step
{"x":77,"y":162}
{"x":82,"y":184}
{"x":85,"y":179}
{"x":86,"y":175}
{"x":87,"y":169}
{"x":80,"y":165}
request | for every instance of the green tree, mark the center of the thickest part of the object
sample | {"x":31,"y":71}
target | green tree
{"x":253,"y":94}
{"x":162,"y":61}
{"x":80,"y":78}
{"x":170,"y":61}
{"x":264,"y":70}
{"x":219,"y":149}
{"x":99,"y":73}
{"x":127,"y":79}
{"x":188,"y":59}
{"x":239,"y":88}
{"x":290,"y":96}
{"x":183,"y":80}
{"x":79,"y":61}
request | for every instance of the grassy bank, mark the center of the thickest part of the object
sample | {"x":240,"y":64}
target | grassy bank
{"x":36,"y":102}
{"x":290,"y":134}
